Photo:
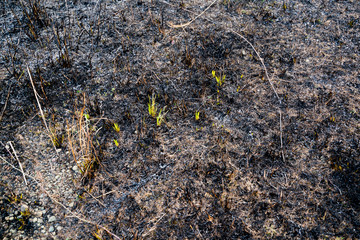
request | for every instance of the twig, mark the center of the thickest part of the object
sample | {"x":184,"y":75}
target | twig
{"x":16,"y":157}
{"x":281,"y":137}
{"x":96,"y":199}
{"x":42,"y":113}
{"x":188,"y":23}
{"x":155,"y":225}
{"x":7,"y":99}
{"x":103,"y":195}
{"x":78,"y":216}
{"x":262,"y":63}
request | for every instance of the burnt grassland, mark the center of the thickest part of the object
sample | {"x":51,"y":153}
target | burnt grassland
{"x":117,"y":125}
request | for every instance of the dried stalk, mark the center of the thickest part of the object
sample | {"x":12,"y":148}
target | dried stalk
{"x":16,"y":157}
{"x":42,"y":113}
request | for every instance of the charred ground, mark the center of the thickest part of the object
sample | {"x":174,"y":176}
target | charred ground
{"x":215,"y":167}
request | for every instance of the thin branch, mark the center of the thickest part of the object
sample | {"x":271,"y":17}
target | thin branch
{"x":42,"y":113}
{"x":7,"y":99}
{"x":262,"y":63}
{"x":281,"y":137}
{"x":16,"y":158}
{"x":95,"y":198}
{"x":188,"y":23}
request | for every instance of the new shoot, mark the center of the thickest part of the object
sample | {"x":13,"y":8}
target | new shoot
{"x":197,"y":115}
{"x":152,"y":106}
{"x":219,"y":79}
{"x":116,"y":127}
{"x":160,"y":116}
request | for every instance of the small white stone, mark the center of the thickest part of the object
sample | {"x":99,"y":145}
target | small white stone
{"x":40,"y":220}
{"x":58,"y":228}
{"x":52,"y":219}
{"x":38,"y":213}
{"x":24,"y":207}
{"x":75,"y":168}
{"x":51,"y":229}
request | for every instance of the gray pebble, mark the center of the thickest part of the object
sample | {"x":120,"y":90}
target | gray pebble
{"x":24,"y":207}
{"x":52,"y":219}
{"x":38,"y":213}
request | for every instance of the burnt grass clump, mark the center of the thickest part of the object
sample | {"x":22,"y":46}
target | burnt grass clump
{"x":249,"y":158}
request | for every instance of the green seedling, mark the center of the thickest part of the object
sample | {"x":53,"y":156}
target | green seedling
{"x":152,"y":106}
{"x":116,"y":142}
{"x":197,"y":115}
{"x":25,"y":215}
{"x":116,"y":127}
{"x":97,"y":234}
{"x":160,"y":116}
{"x":219,"y":79}
{"x":14,"y":199}
{"x":87,"y":116}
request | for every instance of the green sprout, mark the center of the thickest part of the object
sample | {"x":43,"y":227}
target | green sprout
{"x":219,"y":79}
{"x":116,"y":127}
{"x":152,"y":106}
{"x":24,"y":217}
{"x":14,"y":199}
{"x":197,"y":115}
{"x":116,"y":142}
{"x":160,"y":117}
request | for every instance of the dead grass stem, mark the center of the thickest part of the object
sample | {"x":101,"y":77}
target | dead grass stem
{"x":50,"y":134}
{"x":81,"y":144}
